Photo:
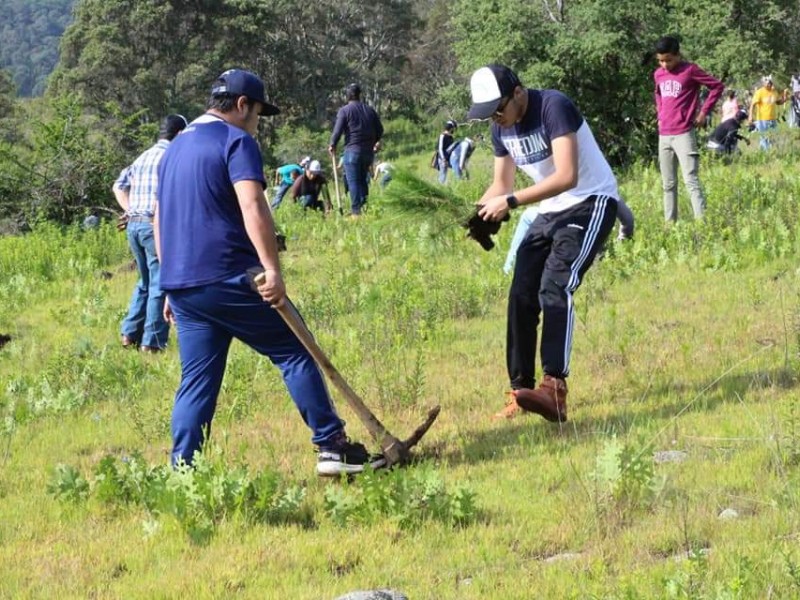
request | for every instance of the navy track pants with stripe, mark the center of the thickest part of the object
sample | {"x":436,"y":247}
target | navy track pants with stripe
{"x":551,"y":262}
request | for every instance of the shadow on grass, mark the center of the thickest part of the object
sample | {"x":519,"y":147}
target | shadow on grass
{"x":657,"y":406}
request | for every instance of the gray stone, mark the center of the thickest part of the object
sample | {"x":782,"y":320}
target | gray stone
{"x":700,"y":552}
{"x":728,"y":514}
{"x":374,"y":595}
{"x":667,"y":456}
{"x":562,"y":556}
{"x":91,"y":222}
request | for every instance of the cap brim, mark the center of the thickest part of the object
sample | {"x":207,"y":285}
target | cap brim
{"x":269,"y":110}
{"x":483,"y":110}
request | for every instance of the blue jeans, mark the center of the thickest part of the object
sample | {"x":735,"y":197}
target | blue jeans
{"x":455,"y":160}
{"x":356,"y":170}
{"x":282,"y":189}
{"x":145,"y":322}
{"x":208,"y":318}
{"x":443,"y":165}
{"x":524,"y":225}
{"x":763,"y":128}
{"x":309,"y":201}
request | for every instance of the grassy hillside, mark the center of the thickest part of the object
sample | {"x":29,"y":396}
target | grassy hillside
{"x":687,"y":343}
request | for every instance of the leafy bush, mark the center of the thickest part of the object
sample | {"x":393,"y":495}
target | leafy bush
{"x":64,"y":165}
{"x":296,"y":142}
{"x":624,"y":477}
{"x":67,"y":484}
{"x":198,"y":497}
{"x":406,"y":497}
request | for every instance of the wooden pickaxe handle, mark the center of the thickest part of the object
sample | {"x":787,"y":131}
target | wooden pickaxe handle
{"x":395,"y":450}
{"x":336,"y":184}
{"x":392,"y":448}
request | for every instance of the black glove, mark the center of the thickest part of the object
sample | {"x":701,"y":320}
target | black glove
{"x":481,"y":231}
{"x":122,"y":222}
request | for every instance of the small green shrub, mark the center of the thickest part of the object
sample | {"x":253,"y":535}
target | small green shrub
{"x":198,"y":497}
{"x":625,"y":478}
{"x":67,"y":484}
{"x":687,"y":582}
{"x":406,"y":497}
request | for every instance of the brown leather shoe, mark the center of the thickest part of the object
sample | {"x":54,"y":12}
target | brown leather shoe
{"x":511,"y":410}
{"x":128,"y":342}
{"x":150,"y":349}
{"x":548,"y":400}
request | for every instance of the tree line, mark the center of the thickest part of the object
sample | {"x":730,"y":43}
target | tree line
{"x":125,"y":63}
{"x":30,"y":31}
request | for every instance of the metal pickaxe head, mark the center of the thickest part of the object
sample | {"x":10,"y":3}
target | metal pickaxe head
{"x":398,"y":452}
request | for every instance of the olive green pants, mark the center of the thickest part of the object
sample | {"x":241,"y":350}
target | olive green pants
{"x":674,"y":149}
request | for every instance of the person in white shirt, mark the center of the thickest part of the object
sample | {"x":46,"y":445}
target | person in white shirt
{"x":730,"y":107}
{"x":542,"y":133}
{"x":460,"y":156}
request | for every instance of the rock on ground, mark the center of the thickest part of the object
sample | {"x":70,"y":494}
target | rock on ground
{"x":667,"y":456}
{"x":374,"y":595}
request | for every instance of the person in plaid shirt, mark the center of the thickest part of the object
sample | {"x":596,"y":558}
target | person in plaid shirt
{"x":135,"y":190}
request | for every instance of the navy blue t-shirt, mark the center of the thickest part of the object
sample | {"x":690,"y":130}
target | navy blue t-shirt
{"x":550,"y":115}
{"x":361,"y":126}
{"x":201,"y":228}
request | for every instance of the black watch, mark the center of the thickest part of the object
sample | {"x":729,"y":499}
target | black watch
{"x":512,"y":201}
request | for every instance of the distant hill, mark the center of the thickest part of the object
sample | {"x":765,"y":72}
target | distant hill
{"x":30,"y":31}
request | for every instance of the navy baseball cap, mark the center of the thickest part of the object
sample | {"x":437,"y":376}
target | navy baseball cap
{"x":244,"y":83}
{"x":488,"y":86}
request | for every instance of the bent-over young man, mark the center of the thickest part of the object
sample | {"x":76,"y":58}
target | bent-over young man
{"x":542,"y":133}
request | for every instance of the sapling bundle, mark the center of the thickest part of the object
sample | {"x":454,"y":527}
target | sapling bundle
{"x":412,"y":199}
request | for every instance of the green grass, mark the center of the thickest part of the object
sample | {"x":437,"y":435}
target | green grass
{"x":687,"y":339}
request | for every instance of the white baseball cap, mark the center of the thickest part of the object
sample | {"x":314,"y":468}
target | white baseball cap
{"x":488,"y":86}
{"x":315,"y":167}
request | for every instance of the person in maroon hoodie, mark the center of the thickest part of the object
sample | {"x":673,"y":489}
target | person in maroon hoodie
{"x":677,"y":83}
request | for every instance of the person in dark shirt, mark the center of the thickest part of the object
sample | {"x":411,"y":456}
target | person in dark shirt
{"x":310,"y":186}
{"x":726,"y":135}
{"x":362,"y":130}
{"x":444,"y":147}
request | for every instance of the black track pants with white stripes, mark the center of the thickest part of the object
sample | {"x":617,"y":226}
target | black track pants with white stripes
{"x":551,"y":261}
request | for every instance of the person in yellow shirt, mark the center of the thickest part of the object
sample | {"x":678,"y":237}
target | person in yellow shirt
{"x":763,"y":110}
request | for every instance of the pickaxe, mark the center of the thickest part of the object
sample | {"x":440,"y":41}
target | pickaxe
{"x":396,"y":451}
{"x":336,"y":184}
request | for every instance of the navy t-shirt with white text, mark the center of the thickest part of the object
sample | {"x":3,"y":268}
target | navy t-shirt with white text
{"x":550,"y":115}
{"x":201,"y":228}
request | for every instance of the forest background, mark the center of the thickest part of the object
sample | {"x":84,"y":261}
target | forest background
{"x":75,"y":108}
